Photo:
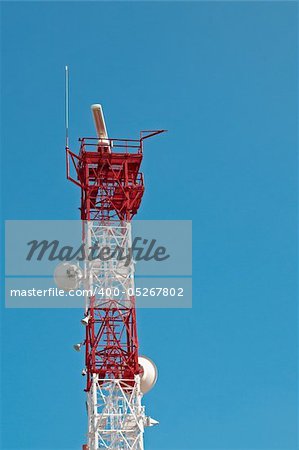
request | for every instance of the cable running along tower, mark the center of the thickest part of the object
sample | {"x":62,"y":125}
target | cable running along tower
{"x":108,"y":173}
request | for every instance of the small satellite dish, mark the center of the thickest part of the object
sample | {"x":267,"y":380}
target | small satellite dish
{"x":149,"y":374}
{"x":67,"y":276}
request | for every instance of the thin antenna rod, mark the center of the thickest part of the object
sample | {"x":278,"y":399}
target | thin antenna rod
{"x":67,"y":106}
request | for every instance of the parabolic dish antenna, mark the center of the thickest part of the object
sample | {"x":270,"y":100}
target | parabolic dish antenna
{"x":67,"y":276}
{"x":150,"y":374}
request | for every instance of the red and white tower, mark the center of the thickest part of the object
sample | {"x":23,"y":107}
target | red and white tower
{"x":108,"y":173}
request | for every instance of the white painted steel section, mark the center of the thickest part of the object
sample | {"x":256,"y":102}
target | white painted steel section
{"x":112,"y":276}
{"x":116,"y":417}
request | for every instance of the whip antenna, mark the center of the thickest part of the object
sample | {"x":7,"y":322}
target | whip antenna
{"x":66,"y":106}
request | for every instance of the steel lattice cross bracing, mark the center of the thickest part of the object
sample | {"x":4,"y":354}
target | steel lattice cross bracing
{"x":108,"y":173}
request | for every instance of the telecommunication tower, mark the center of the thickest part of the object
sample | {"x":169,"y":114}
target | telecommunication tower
{"x":108,"y":173}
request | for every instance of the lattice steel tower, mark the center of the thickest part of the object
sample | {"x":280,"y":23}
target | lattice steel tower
{"x":108,"y":173}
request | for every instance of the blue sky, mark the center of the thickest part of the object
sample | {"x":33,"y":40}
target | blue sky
{"x":222,"y":78}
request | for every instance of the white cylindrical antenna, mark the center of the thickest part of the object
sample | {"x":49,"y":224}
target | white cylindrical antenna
{"x":67,"y":106}
{"x":99,"y":121}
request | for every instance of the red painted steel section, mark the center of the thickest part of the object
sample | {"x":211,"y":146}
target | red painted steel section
{"x":112,"y":185}
{"x":111,"y":341}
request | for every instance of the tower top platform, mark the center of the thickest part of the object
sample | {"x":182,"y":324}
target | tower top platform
{"x":108,"y":173}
